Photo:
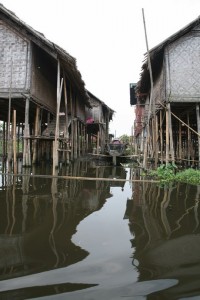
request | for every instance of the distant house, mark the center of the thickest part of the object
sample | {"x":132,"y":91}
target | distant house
{"x":167,"y":116}
{"x":97,"y":121}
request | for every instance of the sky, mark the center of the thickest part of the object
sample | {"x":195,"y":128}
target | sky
{"x":108,"y":41}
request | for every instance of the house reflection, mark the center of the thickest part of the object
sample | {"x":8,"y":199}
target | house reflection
{"x":166,"y":230}
{"x":39,"y":216}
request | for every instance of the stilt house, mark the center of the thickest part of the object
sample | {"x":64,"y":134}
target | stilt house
{"x":97,"y":121}
{"x":42,"y":96}
{"x":167,"y":124}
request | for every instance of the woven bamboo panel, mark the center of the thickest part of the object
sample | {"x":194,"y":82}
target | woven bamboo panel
{"x":183,"y":67}
{"x":14,"y":60}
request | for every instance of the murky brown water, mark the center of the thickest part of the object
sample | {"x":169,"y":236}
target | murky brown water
{"x":84,"y":239}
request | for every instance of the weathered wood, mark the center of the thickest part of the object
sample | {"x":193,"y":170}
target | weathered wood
{"x":14,"y":143}
{"x":188,"y":138}
{"x":180,"y":141}
{"x":66,"y":130}
{"x":167,"y":137}
{"x":75,"y":138}
{"x":26,"y":149}
{"x":170,"y":133}
{"x":79,"y":178}
{"x":36,"y":132}
{"x":198,"y":129}
{"x":9,"y":142}
{"x":72,"y":124}
{"x":56,"y":141}
{"x":161,"y":136}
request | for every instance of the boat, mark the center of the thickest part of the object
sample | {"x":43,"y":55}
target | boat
{"x":115,"y":149}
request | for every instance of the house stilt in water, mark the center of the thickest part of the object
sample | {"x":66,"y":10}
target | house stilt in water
{"x":167,"y":123}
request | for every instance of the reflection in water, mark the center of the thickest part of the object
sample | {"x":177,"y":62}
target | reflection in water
{"x":165,"y":226}
{"x":70,"y":238}
{"x":39,"y":216}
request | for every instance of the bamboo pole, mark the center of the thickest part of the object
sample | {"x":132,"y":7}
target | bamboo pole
{"x":9,"y":142}
{"x":75,"y":138}
{"x":167,"y":136}
{"x":180,"y":141}
{"x":170,"y":133}
{"x":72,"y":125}
{"x":56,"y":141}
{"x":14,"y":143}
{"x":151,"y":104}
{"x":26,"y":150}
{"x":80,"y":178}
{"x":198,"y":128}
{"x":188,"y":139}
{"x":79,"y":137}
{"x":35,"y":142}
{"x":161,"y":137}
{"x":66,"y":131}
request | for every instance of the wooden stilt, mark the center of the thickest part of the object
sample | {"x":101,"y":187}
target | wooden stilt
{"x":75,"y":138}
{"x":170,"y":133}
{"x":198,"y":129}
{"x":188,"y":139}
{"x":180,"y":141}
{"x":35,"y":142}
{"x":98,"y":140}
{"x":78,"y":136}
{"x":161,"y":136}
{"x":4,"y":140}
{"x":72,"y":125}
{"x":14,"y":143}
{"x":56,"y":141}
{"x":26,"y":148}
{"x":167,"y":136}
{"x":66,"y":131}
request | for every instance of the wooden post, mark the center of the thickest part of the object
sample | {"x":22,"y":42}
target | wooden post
{"x":98,"y":140}
{"x":26,"y":150}
{"x":4,"y":151}
{"x":72,"y":125}
{"x":170,"y":133}
{"x":14,"y":143}
{"x":151,"y":103}
{"x":79,"y":137}
{"x":180,"y":141}
{"x":66,"y":131}
{"x":167,"y":136}
{"x":188,"y":139}
{"x":75,"y":138}
{"x":35,"y":142}
{"x":198,"y":129}
{"x":161,"y":137}
{"x":156,"y":142}
{"x":56,"y":141}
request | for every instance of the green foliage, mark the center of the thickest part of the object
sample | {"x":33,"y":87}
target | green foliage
{"x":189,"y":176}
{"x":124,"y":138}
{"x":167,"y":173}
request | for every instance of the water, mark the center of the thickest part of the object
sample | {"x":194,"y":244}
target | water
{"x":84,"y":239}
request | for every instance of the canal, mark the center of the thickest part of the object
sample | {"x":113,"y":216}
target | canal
{"x":63,"y":238}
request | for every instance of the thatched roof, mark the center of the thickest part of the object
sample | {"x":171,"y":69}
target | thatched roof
{"x":97,"y":100}
{"x":156,"y":57}
{"x":68,"y":62}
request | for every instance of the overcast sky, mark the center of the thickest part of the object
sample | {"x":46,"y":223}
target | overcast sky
{"x":107,"y":39}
